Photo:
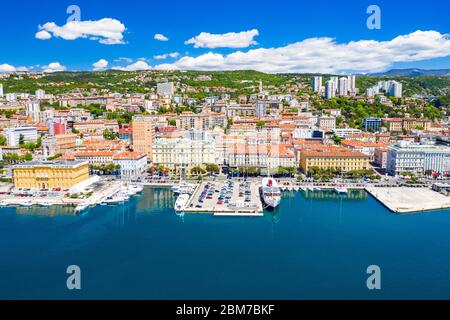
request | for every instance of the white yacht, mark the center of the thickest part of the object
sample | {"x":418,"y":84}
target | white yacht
{"x":270,"y":192}
{"x":341,"y":189}
{"x":137,"y":189}
{"x":181,"y":202}
{"x":81,"y":207}
{"x":45,"y":204}
{"x":26,"y":204}
{"x":115,"y":199}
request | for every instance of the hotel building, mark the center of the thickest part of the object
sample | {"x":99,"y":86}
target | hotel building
{"x":183,"y":153}
{"x":336,"y":158}
{"x":50,"y":174}
{"x":132,"y":164}
{"x":407,"y":156}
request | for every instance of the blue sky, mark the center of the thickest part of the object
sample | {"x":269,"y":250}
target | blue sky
{"x":278,"y":23}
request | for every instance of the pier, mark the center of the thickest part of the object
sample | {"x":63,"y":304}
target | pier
{"x":409,"y":200}
{"x":237,"y":206}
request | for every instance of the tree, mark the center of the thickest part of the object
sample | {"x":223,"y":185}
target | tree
{"x":260,"y":123}
{"x":55,"y":156}
{"x":39,"y":142}
{"x":212,"y":168}
{"x":198,"y":170}
{"x":28,"y":157}
{"x":3,"y":140}
{"x":337,"y":140}
{"x":172,"y":122}
{"x":108,"y":135}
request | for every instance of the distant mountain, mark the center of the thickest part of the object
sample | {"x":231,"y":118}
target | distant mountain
{"x":414,"y":73}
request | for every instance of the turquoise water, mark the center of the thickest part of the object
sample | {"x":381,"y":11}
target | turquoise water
{"x":314,"y":245}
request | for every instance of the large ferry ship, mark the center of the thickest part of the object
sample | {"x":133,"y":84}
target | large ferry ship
{"x":181,"y":202}
{"x":270,"y":192}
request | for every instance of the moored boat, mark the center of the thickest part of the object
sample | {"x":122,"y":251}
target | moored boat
{"x":341,"y":189}
{"x":270,"y":192}
{"x":181,"y":202}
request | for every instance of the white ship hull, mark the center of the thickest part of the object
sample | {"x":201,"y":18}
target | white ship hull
{"x":270,"y":192}
{"x":181,"y":202}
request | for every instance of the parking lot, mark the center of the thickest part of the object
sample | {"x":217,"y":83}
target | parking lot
{"x":234,"y":197}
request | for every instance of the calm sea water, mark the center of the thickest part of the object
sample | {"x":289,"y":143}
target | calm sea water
{"x":312,"y":246}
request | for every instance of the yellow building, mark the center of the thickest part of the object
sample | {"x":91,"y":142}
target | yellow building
{"x":50,"y":174}
{"x":399,"y":124}
{"x":333,"y":159}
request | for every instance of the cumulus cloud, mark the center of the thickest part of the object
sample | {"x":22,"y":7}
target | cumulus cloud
{"x":43,"y":35}
{"x":242,"y":39}
{"x":100,"y":65}
{"x":166,"y":55}
{"x":160,"y":37}
{"x":106,"y":31}
{"x":137,"y":66}
{"x":9,"y":68}
{"x":53,"y":67}
{"x":325,"y":55}
{"x":124,"y":59}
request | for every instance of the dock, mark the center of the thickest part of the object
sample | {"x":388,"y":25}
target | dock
{"x":236,"y":206}
{"x":409,"y":200}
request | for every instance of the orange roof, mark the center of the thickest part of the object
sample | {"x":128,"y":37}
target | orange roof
{"x":129,"y":155}
{"x":94,"y":154}
{"x":357,"y":143}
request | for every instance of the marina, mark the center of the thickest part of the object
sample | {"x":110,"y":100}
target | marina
{"x":235,"y":197}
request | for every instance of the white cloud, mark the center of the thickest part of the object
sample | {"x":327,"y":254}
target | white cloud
{"x":124,"y":59}
{"x":100,"y":65}
{"x":160,"y":37}
{"x":106,"y":31}
{"x":53,"y":67}
{"x":137,"y":66}
{"x":325,"y":55}
{"x":166,"y":55}
{"x":43,"y":35}
{"x":242,"y":39}
{"x":9,"y":68}
{"x":166,"y":66}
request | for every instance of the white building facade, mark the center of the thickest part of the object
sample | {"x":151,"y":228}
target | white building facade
{"x":417,"y":158}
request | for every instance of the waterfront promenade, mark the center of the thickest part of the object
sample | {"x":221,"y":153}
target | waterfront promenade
{"x":409,"y":200}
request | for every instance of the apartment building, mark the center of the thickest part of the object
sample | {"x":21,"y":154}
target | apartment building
{"x":143,"y":134}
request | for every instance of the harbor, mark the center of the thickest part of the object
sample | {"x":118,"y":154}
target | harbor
{"x":145,"y":240}
{"x":227,"y":196}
